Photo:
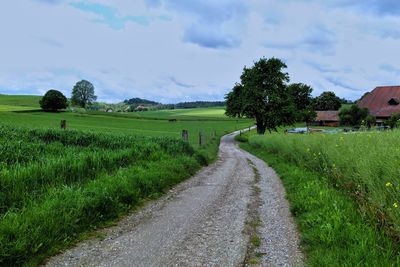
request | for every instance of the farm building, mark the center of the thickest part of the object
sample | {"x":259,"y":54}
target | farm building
{"x":141,"y":108}
{"x":382,"y":102}
{"x":327,"y":118}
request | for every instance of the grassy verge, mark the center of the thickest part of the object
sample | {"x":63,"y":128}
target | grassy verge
{"x":80,"y":181}
{"x":364,"y":165}
{"x":334,"y":231}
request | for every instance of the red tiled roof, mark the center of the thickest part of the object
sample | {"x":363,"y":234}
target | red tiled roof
{"x":377,"y":101}
{"x":329,"y":115}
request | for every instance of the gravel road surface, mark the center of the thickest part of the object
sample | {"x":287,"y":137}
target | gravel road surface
{"x":201,"y":222}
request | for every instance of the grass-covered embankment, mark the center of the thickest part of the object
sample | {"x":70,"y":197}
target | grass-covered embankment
{"x":56,"y":185}
{"x":343,"y":190}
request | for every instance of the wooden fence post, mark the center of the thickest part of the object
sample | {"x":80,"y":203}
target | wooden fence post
{"x":63,"y":124}
{"x":185,"y":135}
{"x":201,"y":141}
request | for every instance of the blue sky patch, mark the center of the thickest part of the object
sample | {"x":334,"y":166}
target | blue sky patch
{"x":110,"y":16}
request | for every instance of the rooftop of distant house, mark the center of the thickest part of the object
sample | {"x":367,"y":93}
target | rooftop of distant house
{"x":383,"y":101}
{"x":328,"y":115}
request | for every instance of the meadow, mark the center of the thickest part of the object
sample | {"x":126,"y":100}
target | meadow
{"x":21,"y":101}
{"x":185,"y":114}
{"x":344,"y":190}
{"x":58,"y":185}
{"x":211,"y":122}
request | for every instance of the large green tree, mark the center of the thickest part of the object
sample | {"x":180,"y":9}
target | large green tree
{"x":393,"y":121}
{"x":327,"y":101}
{"x":302,"y":99}
{"x":53,"y":100}
{"x":83,"y":94}
{"x":353,"y":116}
{"x":263,"y":96}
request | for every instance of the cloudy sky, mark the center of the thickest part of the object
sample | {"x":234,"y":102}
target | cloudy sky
{"x":183,"y":50}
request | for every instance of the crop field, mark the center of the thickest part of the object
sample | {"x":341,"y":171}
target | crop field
{"x":325,"y":175}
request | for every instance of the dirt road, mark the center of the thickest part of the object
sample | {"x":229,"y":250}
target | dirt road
{"x":203,"y":222}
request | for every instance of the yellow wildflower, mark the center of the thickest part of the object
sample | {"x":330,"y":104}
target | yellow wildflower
{"x":389,"y":184}
{"x":395,"y":205}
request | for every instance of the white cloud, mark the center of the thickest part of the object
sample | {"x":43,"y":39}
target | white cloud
{"x":192,"y":50}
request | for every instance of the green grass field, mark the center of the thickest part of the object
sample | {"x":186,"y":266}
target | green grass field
{"x":344,"y":190}
{"x":15,"y":110}
{"x":15,"y":101}
{"x":194,"y":113}
{"x":121,"y":124}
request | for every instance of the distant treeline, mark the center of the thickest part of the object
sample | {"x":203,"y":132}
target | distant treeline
{"x":140,"y":101}
{"x":155,"y":105}
{"x":200,"y":104}
{"x":346,"y":101}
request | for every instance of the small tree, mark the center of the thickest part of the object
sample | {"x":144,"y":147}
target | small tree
{"x":393,"y":121}
{"x":327,"y":101}
{"x":263,"y":95}
{"x":370,"y":121}
{"x":83,"y":94}
{"x":308,"y":115}
{"x":53,"y":100}
{"x":302,"y":99}
{"x":353,"y":116}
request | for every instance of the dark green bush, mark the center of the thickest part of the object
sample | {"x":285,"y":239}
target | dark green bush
{"x":53,"y":100}
{"x":394,"y":121}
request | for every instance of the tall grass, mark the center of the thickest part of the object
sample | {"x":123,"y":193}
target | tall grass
{"x":332,"y":231}
{"x":20,"y":184}
{"x":365,"y":165}
{"x":59,"y":184}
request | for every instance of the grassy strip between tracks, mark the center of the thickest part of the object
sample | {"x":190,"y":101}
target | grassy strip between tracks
{"x":334,"y":231}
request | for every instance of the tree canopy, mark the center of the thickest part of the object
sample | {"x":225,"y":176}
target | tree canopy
{"x":327,"y":101}
{"x":83,"y":94}
{"x":53,"y":100}
{"x":263,"y":94}
{"x":393,"y":121}
{"x":302,"y":99}
{"x":354,"y":116}
{"x":140,"y":101}
{"x":200,"y":104}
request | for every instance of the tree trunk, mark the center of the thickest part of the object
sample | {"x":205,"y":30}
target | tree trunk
{"x":261,"y":126}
